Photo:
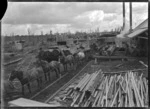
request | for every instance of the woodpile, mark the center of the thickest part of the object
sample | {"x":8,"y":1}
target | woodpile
{"x":100,"y":89}
{"x":107,"y":50}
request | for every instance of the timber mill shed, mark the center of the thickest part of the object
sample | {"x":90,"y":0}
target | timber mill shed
{"x":107,"y":38}
{"x":139,"y":38}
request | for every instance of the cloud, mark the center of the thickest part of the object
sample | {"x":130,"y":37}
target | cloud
{"x":91,"y":16}
{"x":34,"y":28}
{"x":64,"y":16}
{"x":35,"y":12}
{"x":110,"y":16}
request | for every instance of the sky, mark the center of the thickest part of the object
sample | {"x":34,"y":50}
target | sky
{"x":68,"y":16}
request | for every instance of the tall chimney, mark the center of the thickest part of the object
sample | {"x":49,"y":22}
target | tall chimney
{"x":123,"y":15}
{"x":130,"y":16}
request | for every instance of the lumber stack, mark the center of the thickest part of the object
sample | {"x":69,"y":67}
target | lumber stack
{"x":128,"y":89}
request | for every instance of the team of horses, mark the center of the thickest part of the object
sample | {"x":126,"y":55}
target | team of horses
{"x":46,"y":62}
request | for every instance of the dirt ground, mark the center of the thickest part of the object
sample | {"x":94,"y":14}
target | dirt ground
{"x":105,"y":65}
{"x":118,"y":65}
{"x":46,"y":93}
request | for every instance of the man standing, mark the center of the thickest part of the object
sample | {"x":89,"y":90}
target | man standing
{"x":40,"y":54}
{"x":126,"y":49}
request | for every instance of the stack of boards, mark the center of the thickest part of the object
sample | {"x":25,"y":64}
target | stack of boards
{"x":129,"y":89}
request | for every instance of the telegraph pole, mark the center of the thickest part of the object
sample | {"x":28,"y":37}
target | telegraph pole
{"x":130,"y":16}
{"x":123,"y":15}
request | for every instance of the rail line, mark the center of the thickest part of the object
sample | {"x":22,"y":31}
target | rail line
{"x":47,"y":87}
{"x":44,"y":94}
{"x":67,"y":83}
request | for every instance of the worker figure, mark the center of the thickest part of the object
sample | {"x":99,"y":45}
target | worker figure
{"x":40,"y":54}
{"x":126,"y":49}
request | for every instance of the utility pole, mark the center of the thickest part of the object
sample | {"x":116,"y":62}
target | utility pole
{"x":123,"y":15}
{"x":130,"y":16}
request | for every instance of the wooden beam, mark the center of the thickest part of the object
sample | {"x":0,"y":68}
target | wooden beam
{"x":136,"y":90}
{"x":131,"y":104}
{"x":112,"y":57}
{"x":82,"y":81}
{"x":114,"y":98}
{"x":72,"y":104}
{"x":125,"y":71}
{"x":143,"y":64}
{"x":143,"y":37}
{"x":85,"y":83}
{"x":95,"y":102}
{"x":106,"y":91}
{"x":103,"y":90}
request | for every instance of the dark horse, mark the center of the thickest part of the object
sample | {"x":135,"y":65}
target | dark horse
{"x":49,"y":56}
{"x":26,"y":77}
{"x":94,"y":47}
{"x":46,"y":57}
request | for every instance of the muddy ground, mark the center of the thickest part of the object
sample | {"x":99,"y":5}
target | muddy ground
{"x":44,"y":94}
{"x":105,"y":65}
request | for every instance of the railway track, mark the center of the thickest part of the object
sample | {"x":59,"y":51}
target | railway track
{"x":48,"y":92}
{"x":69,"y":82}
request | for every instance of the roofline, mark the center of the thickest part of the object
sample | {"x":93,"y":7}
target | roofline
{"x":140,"y":24}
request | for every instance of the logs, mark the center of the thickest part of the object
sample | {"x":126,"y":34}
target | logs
{"x":129,"y":89}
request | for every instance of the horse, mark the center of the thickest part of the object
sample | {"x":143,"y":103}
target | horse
{"x":49,"y":55}
{"x":48,"y":67}
{"x":94,"y":47}
{"x":26,"y":77}
{"x":67,"y":58}
{"x":88,"y":54}
{"x":55,"y":66}
{"x":48,"y":60}
{"x":8,"y":89}
{"x":79,"y":57}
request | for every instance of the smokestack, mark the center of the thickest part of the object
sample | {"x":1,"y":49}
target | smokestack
{"x":41,"y":32}
{"x":29,"y":31}
{"x":123,"y":15}
{"x":130,"y":16}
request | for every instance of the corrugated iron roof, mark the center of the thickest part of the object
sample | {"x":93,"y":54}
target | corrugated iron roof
{"x":144,"y":24}
{"x":139,"y":29}
{"x":137,"y":32}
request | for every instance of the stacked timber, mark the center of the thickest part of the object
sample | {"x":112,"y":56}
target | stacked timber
{"x":100,"y":89}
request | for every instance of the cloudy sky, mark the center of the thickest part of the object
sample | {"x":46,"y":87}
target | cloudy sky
{"x":71,"y":16}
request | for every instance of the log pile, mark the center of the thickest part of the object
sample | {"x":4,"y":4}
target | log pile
{"x":98,"y":89}
{"x":107,"y":50}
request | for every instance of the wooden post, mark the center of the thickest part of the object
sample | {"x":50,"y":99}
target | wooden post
{"x":130,"y":16}
{"x":136,"y":90}
{"x":95,"y":62}
{"x":123,"y":15}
